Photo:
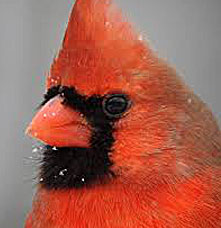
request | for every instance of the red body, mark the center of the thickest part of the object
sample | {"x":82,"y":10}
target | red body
{"x":167,"y":150}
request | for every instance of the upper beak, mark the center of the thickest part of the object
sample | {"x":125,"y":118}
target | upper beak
{"x":59,"y":125}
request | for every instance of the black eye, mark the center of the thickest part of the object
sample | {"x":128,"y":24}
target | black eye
{"x":115,"y":105}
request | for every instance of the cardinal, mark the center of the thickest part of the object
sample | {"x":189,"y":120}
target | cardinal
{"x":126,"y":142}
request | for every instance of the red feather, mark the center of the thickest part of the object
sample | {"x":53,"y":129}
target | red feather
{"x":99,"y":46}
{"x":167,"y":149}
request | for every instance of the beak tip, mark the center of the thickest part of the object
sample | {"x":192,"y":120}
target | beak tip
{"x":29,"y":130}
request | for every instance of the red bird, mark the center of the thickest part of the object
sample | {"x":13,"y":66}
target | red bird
{"x":127,"y":143}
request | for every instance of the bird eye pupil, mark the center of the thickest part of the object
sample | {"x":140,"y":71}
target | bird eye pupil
{"x":116,"y":105}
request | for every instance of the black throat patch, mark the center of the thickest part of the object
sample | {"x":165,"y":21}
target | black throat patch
{"x":64,"y":168}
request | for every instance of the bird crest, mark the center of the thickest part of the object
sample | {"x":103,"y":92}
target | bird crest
{"x":100,"y":47}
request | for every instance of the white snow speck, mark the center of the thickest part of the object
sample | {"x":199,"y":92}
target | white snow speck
{"x":35,"y":150}
{"x":140,"y":37}
{"x":62,"y":172}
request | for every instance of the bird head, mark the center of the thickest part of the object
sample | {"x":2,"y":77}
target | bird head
{"x":112,"y":108}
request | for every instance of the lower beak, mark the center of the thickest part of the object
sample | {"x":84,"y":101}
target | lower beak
{"x":59,"y":125}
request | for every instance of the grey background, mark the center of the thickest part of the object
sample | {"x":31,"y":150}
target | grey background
{"x":186,"y":32}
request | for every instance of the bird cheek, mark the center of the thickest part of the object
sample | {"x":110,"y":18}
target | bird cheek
{"x":59,"y":125}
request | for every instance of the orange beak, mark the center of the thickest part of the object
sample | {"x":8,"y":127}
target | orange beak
{"x":59,"y":125}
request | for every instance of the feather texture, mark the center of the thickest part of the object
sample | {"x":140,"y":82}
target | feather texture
{"x":166,"y":151}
